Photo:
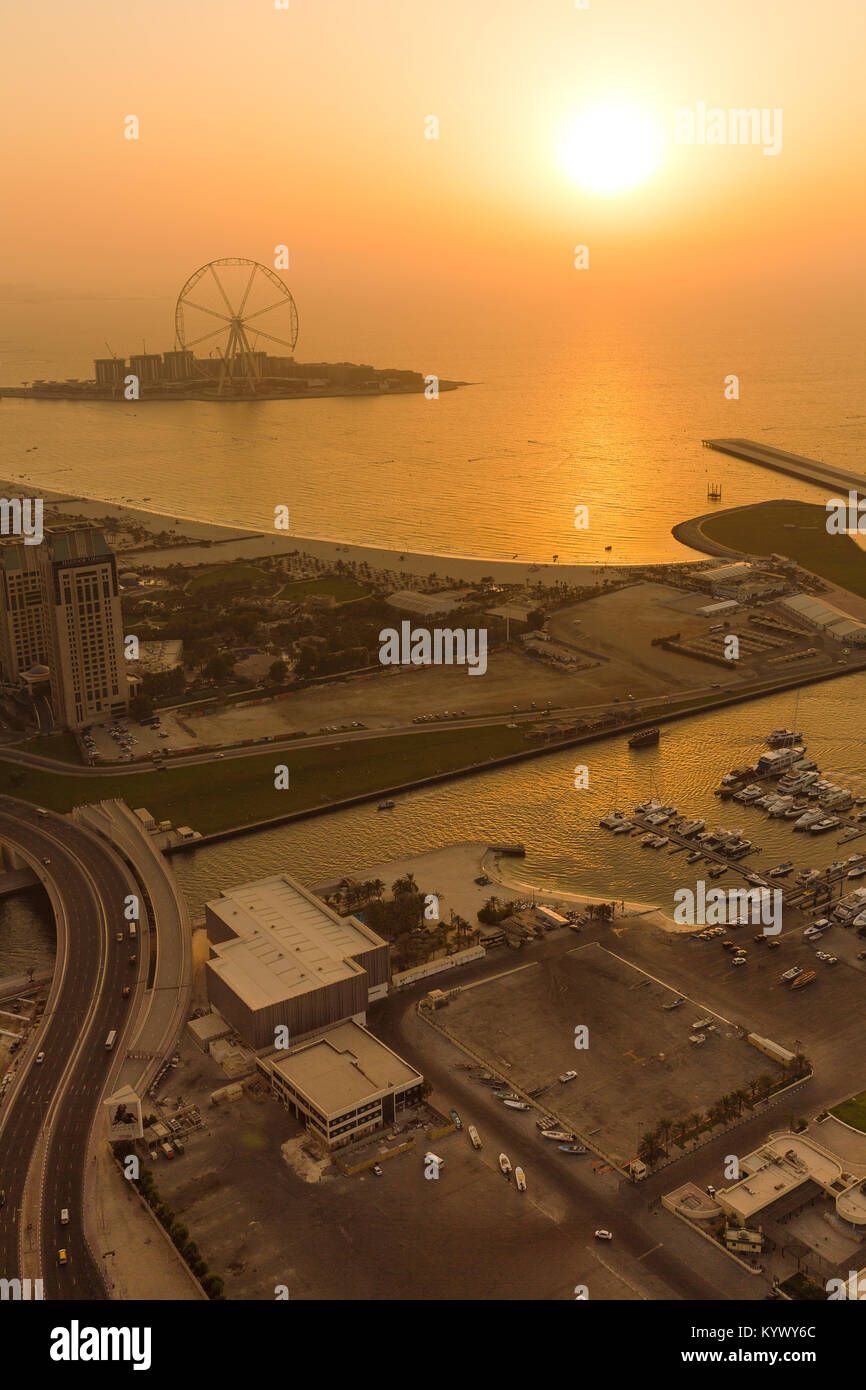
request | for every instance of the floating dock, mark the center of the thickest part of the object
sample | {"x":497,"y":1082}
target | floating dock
{"x":807,"y":470}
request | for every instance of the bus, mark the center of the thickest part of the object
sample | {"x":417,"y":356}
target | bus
{"x":110,"y":1040}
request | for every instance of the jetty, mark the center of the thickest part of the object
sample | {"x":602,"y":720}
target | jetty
{"x":807,"y":470}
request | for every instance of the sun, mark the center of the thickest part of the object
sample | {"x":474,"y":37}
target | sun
{"x":609,"y":149}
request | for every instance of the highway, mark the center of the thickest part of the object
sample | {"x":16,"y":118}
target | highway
{"x":56,"y":1101}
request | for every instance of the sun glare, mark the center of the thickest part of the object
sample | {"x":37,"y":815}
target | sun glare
{"x":609,"y":149}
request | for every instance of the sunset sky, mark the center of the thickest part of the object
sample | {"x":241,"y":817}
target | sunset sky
{"x":261,"y":126}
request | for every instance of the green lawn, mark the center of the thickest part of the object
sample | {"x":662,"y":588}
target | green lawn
{"x":852,"y":1111}
{"x":236,"y":576}
{"x":61,"y":746}
{"x":795,"y":529}
{"x":341,"y":589}
{"x":215,"y":796}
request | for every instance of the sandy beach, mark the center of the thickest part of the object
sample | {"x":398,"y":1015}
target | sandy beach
{"x":209,"y":543}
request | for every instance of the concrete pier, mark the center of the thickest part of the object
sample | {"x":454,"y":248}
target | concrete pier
{"x":807,"y":470}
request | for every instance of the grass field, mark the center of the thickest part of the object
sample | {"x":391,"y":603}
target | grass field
{"x":795,"y":529}
{"x":217,"y":796}
{"x":340,"y":589}
{"x":61,"y":746}
{"x":236,"y":576}
{"x":852,"y":1111}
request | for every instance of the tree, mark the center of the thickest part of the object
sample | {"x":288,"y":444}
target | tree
{"x":277,"y":671}
{"x":141,"y":706}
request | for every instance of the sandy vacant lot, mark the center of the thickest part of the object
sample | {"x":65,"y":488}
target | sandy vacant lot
{"x":639,"y":1065}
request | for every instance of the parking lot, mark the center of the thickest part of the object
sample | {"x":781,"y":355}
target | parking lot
{"x":639,"y":1064}
{"x":259,"y":1222}
{"x":126,"y":739}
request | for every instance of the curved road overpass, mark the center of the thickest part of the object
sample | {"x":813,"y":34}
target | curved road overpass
{"x":49,"y":1112}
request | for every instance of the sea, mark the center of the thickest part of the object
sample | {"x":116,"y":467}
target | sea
{"x":608,"y":416}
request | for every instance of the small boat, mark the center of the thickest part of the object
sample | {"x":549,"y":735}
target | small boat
{"x":516,"y":1104}
{"x":717,"y":872}
{"x":558,"y":1134}
{"x":623,"y":828}
{"x":643,"y":738}
{"x":505,"y":1164}
{"x":506,"y":1095}
{"x":781,"y":870}
{"x":458,"y":1123}
{"x":572,"y":1149}
{"x":474,"y":1138}
{"x":386,"y":805}
{"x":693,"y":856}
{"x":520,"y":1179}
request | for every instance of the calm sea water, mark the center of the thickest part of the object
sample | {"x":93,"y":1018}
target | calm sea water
{"x":608,"y":418}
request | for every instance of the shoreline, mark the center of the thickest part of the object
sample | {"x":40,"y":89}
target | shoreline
{"x":199,"y":539}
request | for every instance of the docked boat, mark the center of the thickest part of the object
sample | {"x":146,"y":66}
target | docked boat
{"x":749,"y":794}
{"x":612,"y":820}
{"x":458,"y":1123}
{"x":690,"y":827}
{"x":757,"y":880}
{"x":718,"y":871}
{"x":623,"y":828}
{"x":505,"y":1164}
{"x":780,"y":806}
{"x":643,"y":738}
{"x":693,"y":856}
{"x":782,"y":870}
{"x":825,"y":823}
{"x":520,"y":1179}
{"x":506,"y":1095}
{"x":386,"y":805}
{"x":561,"y":1135}
{"x":516,"y":1104}
{"x":808,"y":819}
{"x":572,"y":1149}
{"x":782,"y":738}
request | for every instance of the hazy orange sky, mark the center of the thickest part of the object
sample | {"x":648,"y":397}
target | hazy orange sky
{"x":260,"y":126}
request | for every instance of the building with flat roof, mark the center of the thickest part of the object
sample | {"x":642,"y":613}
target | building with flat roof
{"x":344,"y":1084}
{"x":280,"y":956}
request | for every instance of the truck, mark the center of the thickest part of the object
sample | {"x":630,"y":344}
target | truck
{"x":167,"y":1150}
{"x":132,"y":932}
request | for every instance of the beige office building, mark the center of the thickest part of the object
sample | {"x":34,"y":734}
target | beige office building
{"x":23,"y":639}
{"x":281,"y":956}
{"x":84,"y":627}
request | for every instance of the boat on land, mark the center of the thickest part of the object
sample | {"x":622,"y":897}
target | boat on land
{"x":558,"y":1134}
{"x":506,"y":1095}
{"x":505,"y":1164}
{"x":516,"y":1104}
{"x":643,"y":738}
{"x":520,"y":1179}
{"x":572,"y":1149}
{"x":458,"y":1123}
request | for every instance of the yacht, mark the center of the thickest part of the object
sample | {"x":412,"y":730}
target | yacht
{"x":782,"y":738}
{"x":623,"y":828}
{"x":612,"y":820}
{"x":780,"y":806}
{"x":808,"y":819}
{"x":781,"y":870}
{"x":825,"y":823}
{"x":749,"y":793}
{"x":691,"y":827}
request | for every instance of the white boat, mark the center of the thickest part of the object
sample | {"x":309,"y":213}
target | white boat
{"x":520,"y":1179}
{"x":807,"y":819}
{"x":691,"y":827}
{"x":749,"y":793}
{"x":781,"y":870}
{"x":560,"y":1135}
{"x":825,"y":823}
{"x":780,"y":806}
{"x":516,"y":1104}
{"x":505,"y":1164}
{"x":624,"y":828}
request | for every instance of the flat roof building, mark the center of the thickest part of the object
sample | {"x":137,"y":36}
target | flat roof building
{"x":280,"y":956}
{"x":344,"y":1084}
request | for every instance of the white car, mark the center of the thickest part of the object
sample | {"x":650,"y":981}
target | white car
{"x":738,"y":960}
{"x":40,"y":1058}
{"x":568,"y":1076}
{"x":603,"y":1235}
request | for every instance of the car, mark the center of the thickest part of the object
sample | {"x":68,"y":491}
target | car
{"x":220,"y":755}
{"x":64,"y":1216}
{"x":62,"y":1257}
{"x":773,"y":945}
{"x":568,"y":1076}
{"x":133,"y":958}
{"x":738,"y":960}
{"x":603,"y":1235}
{"x":125,"y":992}
{"x":118,"y":936}
{"x":40,"y":1058}
{"x":728,"y":946}
{"x":377,"y":1170}
{"x":861,"y":955}
{"x":831,"y":960}
{"x":759,"y":937}
{"x":2,"y":1196}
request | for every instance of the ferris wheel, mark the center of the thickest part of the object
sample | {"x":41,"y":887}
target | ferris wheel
{"x":235,"y":310}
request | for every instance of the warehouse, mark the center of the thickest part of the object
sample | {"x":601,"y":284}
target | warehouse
{"x":280,"y":956}
{"x":826,"y":618}
{"x":344,"y":1084}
